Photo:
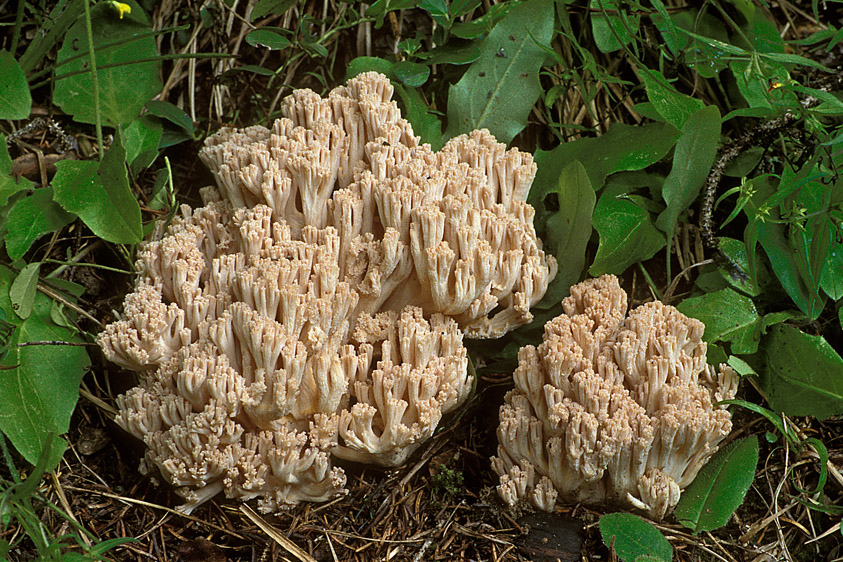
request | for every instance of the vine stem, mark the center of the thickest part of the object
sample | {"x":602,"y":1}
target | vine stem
{"x":94,"y":79}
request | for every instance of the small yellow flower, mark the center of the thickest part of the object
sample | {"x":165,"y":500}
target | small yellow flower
{"x":122,"y":8}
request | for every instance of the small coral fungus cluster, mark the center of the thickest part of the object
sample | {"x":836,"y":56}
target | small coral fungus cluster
{"x":611,"y":408}
{"x":316,"y":304}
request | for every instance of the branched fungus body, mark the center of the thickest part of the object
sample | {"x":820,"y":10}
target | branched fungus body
{"x":317,"y":303}
{"x":611,"y":408}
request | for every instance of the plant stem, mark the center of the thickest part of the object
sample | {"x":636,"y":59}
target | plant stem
{"x":95,"y":81}
{"x":18,"y":24}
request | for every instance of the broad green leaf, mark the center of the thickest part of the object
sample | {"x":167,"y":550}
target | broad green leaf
{"x":753,"y":79}
{"x":632,"y":537}
{"x":498,"y":91}
{"x":675,"y":108}
{"x":140,"y":139}
{"x":612,"y":26}
{"x":737,"y":273}
{"x":622,"y":148}
{"x":425,"y":123}
{"x":99,"y":193}
{"x":831,"y":279}
{"x":626,"y":234}
{"x":728,"y":316}
{"x":773,"y":318}
{"x":273,"y":38}
{"x":15,"y":100}
{"x":773,"y":238}
{"x":803,"y":375}
{"x":40,"y":392}
{"x":741,"y":367}
{"x":720,"y":487}
{"x":482,"y":25}
{"x":368,"y":64}
{"x":23,"y":289}
{"x":450,"y":54}
{"x":270,"y":7}
{"x":8,"y":184}
{"x":411,"y":74}
{"x":172,"y":113}
{"x":123,"y":89}
{"x":32,"y":217}
{"x":743,"y":164}
{"x":569,"y":229}
{"x":692,"y":160}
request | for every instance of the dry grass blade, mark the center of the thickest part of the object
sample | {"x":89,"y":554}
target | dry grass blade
{"x":276,"y":535}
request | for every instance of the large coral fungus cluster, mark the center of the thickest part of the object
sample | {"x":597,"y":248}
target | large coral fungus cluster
{"x":611,"y":408}
{"x":316,"y":305}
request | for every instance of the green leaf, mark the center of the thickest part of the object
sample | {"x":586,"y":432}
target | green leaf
{"x":569,"y":229}
{"x":785,"y":265}
{"x":8,"y":184}
{"x":411,"y":74}
{"x":23,"y":289}
{"x":40,"y":392}
{"x":141,"y":140}
{"x":741,"y":367}
{"x":99,"y":193}
{"x":368,"y":64}
{"x":15,"y":100}
{"x":803,"y":375}
{"x":632,"y":537}
{"x":692,"y":160}
{"x":735,"y":252}
{"x":273,"y":38}
{"x":123,"y":89}
{"x":728,"y":316}
{"x":498,"y":91}
{"x":32,"y":217}
{"x":627,"y":235}
{"x":264,"y":8}
{"x":622,"y":148}
{"x":675,"y":108}
{"x":611,"y":25}
{"x":172,"y":113}
{"x":831,"y":279}
{"x":425,"y":123}
{"x":720,"y":487}
{"x":450,"y":54}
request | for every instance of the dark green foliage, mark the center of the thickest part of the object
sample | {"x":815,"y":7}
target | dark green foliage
{"x":720,"y":487}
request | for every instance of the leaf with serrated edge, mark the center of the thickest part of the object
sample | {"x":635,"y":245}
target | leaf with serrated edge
{"x":632,"y":537}
{"x":720,"y":487}
{"x":803,"y":374}
{"x":499,"y":89}
{"x":40,"y":392}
